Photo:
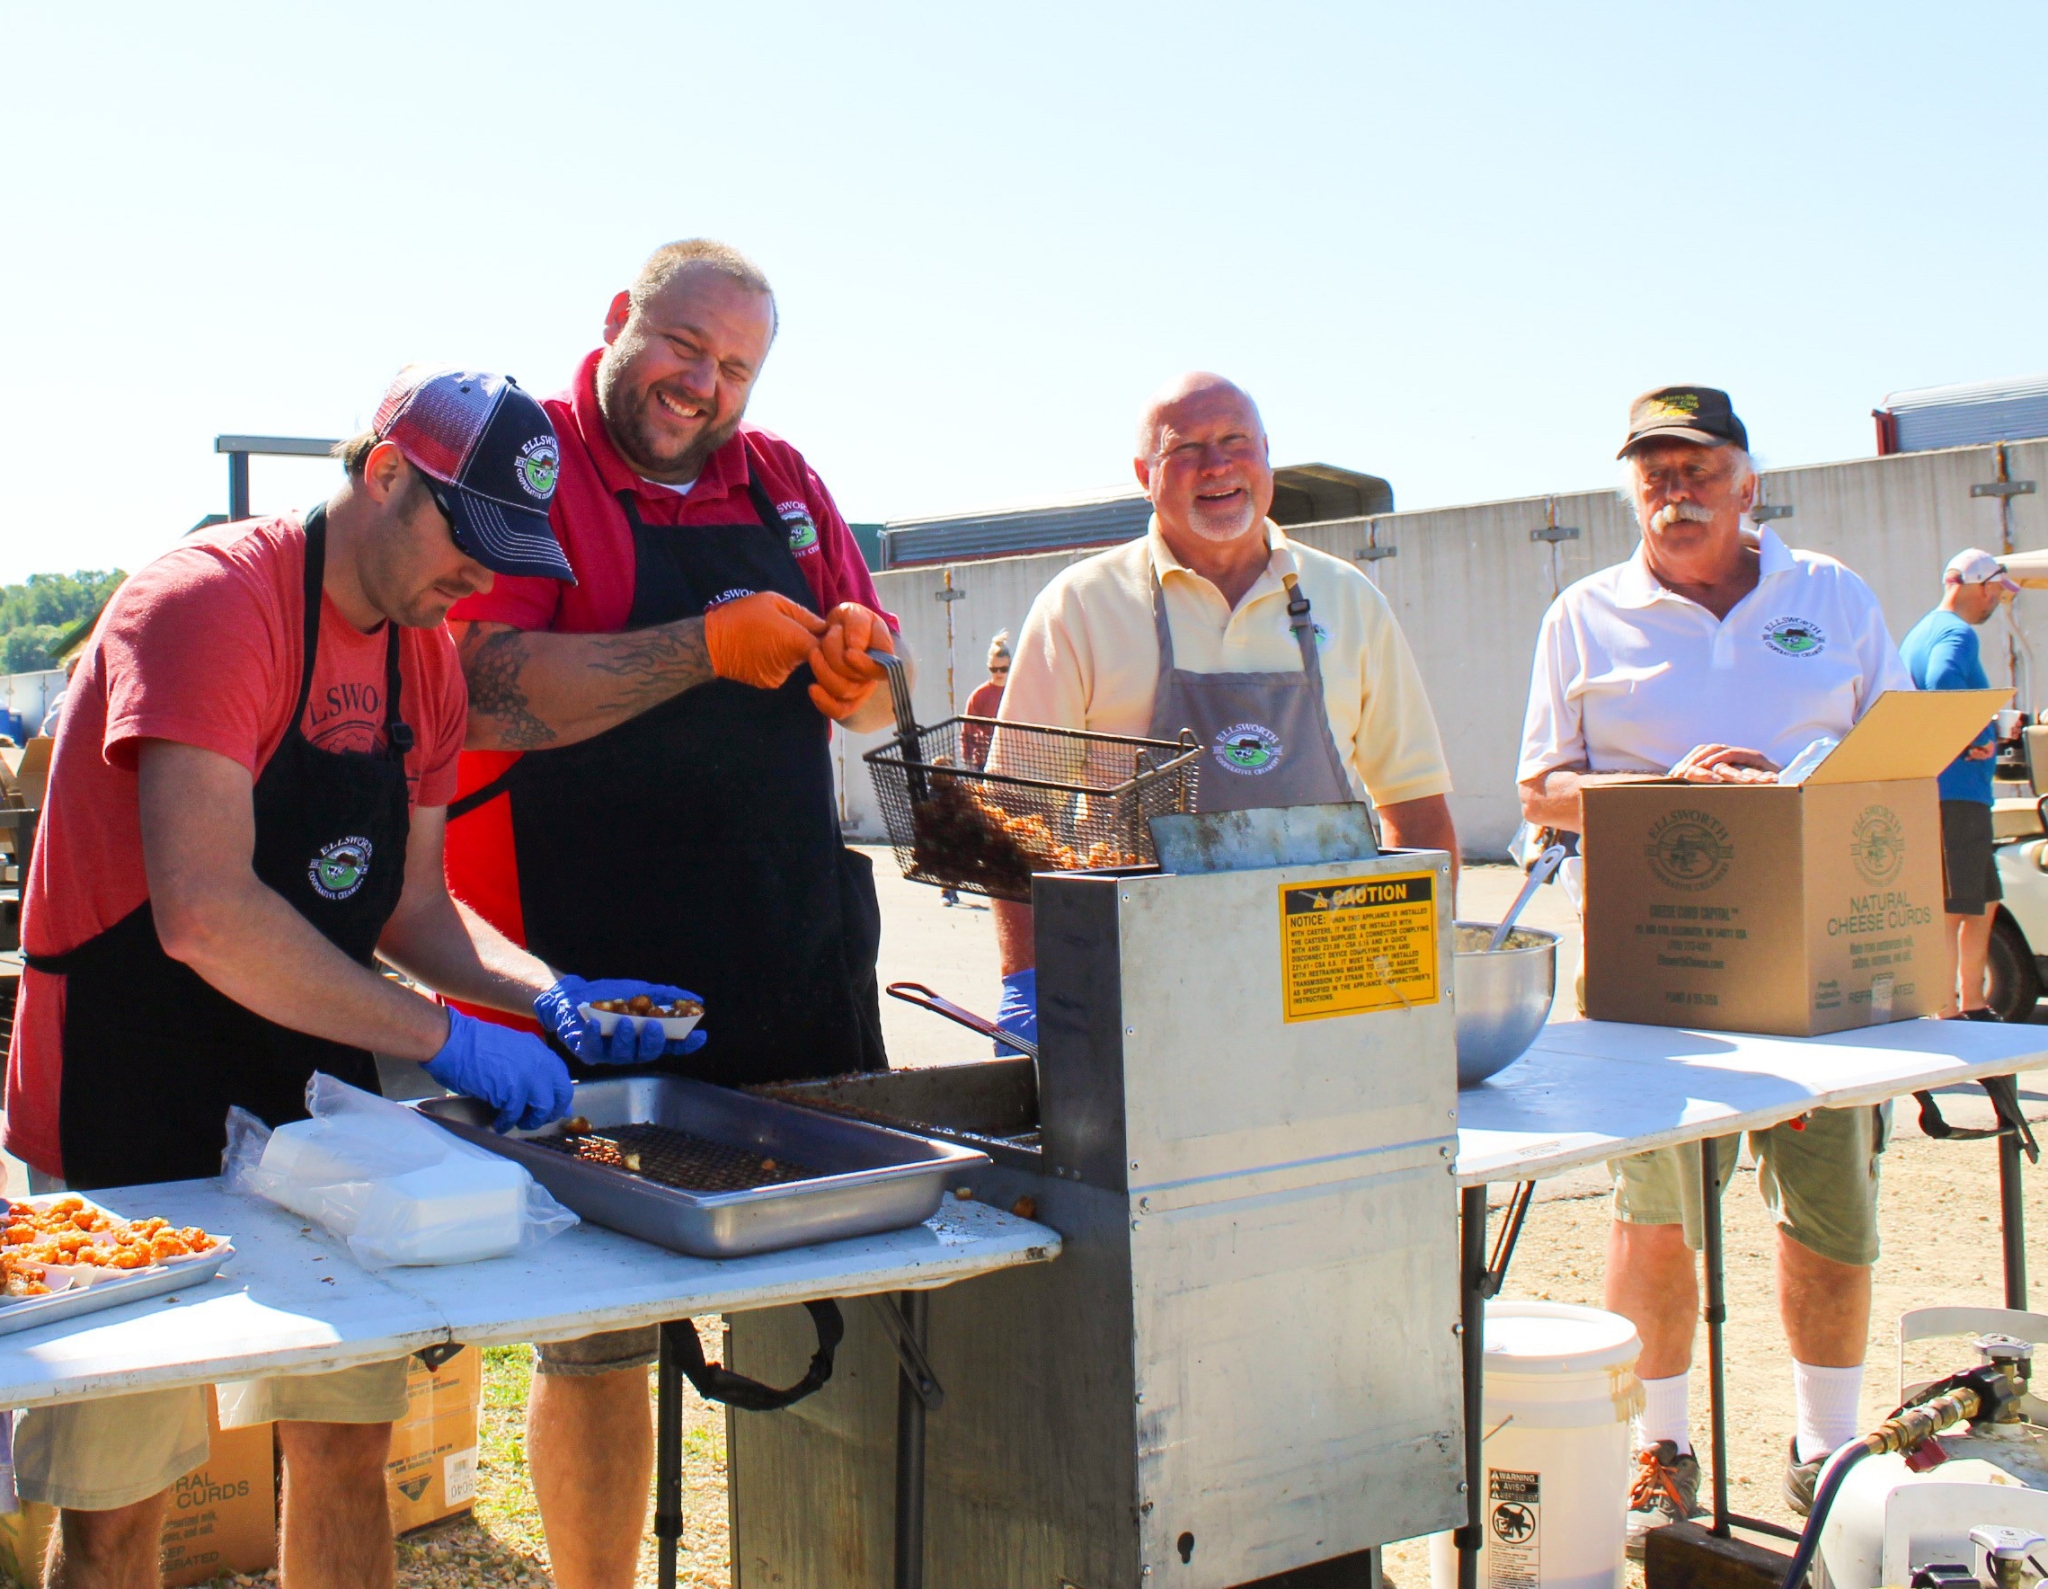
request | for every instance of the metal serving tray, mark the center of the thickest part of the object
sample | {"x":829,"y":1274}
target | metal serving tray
{"x":871,"y":1178}
{"x":29,"y":1313}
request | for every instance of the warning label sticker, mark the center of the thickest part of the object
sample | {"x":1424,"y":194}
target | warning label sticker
{"x":1356,"y":944}
{"x":1514,"y":1533}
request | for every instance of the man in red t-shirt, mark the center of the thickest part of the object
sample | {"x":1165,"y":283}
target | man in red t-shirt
{"x":245,"y":807}
{"x":647,"y":784}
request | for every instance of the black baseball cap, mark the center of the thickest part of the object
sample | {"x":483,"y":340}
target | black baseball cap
{"x":1698,"y":414}
{"x":490,"y":457}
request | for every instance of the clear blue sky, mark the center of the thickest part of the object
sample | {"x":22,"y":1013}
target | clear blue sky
{"x":1442,"y":243}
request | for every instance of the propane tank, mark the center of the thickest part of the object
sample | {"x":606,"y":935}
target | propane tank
{"x":1965,"y":1508}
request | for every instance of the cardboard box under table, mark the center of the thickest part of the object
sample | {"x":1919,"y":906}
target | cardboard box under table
{"x":1785,"y":909}
{"x":432,"y":1471}
{"x":220,"y":1517}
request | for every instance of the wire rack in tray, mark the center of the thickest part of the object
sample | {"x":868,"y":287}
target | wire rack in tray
{"x":978,"y":805}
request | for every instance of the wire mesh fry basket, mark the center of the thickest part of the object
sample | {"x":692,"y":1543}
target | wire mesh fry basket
{"x":977,"y":805}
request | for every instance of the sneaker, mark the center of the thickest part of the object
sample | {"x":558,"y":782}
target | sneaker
{"x":1666,"y":1490}
{"x":1801,"y":1477}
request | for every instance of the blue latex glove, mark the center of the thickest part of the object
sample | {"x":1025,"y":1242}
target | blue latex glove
{"x":1019,"y":1011}
{"x":632,"y":1042}
{"x":514,"y":1072}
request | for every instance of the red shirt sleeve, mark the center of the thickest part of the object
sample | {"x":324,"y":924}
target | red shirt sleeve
{"x":192,"y":651}
{"x":441,"y":674}
{"x":845,"y":575}
{"x":524,"y":601}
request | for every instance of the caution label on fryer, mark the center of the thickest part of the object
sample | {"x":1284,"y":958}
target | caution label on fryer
{"x":1358,"y":943}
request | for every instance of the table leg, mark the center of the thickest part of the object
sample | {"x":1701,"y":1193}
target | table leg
{"x":1472,"y":1325}
{"x":1715,"y":1311}
{"x":2012,"y":1220}
{"x":668,"y":1455}
{"x":910,"y":1412}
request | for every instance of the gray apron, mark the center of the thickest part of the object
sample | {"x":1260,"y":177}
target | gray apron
{"x":1268,"y":734}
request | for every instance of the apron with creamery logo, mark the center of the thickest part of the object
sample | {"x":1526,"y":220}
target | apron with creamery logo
{"x":1267,"y":734}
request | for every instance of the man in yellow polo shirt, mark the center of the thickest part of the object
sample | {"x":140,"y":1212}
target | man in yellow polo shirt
{"x":1286,"y":662}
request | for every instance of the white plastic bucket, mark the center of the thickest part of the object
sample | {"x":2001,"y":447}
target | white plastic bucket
{"x":1560,"y":1391}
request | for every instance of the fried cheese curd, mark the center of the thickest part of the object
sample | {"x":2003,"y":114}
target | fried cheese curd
{"x":66,"y":1231}
{"x":641,"y":1004}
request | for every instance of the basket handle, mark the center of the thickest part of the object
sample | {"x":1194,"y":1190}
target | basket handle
{"x":918,"y":994}
{"x":908,"y":739}
{"x":899,"y":697}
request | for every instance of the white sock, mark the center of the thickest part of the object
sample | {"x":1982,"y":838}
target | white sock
{"x":1664,"y":1414}
{"x":1826,"y":1400}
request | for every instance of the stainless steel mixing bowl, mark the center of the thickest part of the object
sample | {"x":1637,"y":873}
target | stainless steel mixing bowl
{"x":1503,"y":999}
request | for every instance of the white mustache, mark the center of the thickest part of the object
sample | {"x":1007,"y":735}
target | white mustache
{"x":1672,"y":512}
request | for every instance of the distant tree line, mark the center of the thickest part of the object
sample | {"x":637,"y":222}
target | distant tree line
{"x":37,"y":614}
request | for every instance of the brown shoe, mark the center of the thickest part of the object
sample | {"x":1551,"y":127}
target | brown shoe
{"x":1666,"y":1490}
{"x":1801,"y":1477}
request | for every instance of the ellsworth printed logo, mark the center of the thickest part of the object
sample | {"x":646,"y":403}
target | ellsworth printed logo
{"x":725,"y":596}
{"x":1689,"y":849}
{"x":1249,"y":748}
{"x":803,"y":534}
{"x":1795,"y":637}
{"x":1877,"y":844}
{"x":341,"y":867}
{"x":539,"y":462}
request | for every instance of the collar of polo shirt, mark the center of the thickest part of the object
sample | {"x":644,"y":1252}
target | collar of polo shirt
{"x":1280,"y":561}
{"x":1638,"y":587}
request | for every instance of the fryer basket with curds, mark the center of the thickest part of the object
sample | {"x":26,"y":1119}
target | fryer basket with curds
{"x":1044,"y":800}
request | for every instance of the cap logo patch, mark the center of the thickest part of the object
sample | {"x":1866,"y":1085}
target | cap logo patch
{"x":1795,"y":637}
{"x":1680,"y":406}
{"x":539,"y":461}
{"x":1249,"y":748}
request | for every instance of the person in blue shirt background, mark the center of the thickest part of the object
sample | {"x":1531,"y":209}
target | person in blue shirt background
{"x":1941,"y":652}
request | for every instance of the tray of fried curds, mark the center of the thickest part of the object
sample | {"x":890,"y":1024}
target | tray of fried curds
{"x":979,"y":805}
{"x":63,"y":1255}
{"x":717,"y":1173}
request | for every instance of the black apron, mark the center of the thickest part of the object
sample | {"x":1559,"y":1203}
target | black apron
{"x":698,"y":843}
{"x":154,"y":1054}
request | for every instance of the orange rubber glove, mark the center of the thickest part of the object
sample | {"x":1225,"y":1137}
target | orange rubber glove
{"x":846,"y":675}
{"x":760,"y":639}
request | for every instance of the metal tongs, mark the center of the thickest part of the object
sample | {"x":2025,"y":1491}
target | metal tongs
{"x":923,"y":997}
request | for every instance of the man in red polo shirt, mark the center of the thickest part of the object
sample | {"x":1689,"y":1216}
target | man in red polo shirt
{"x":647,"y":784}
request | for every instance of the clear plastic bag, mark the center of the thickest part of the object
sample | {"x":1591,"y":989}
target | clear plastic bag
{"x":394,"y":1187}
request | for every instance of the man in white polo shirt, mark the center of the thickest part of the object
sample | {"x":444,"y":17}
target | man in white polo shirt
{"x":1717,"y":654}
{"x":1211,"y":622}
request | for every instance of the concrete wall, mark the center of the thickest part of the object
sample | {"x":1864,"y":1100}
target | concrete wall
{"x":1470,"y":588}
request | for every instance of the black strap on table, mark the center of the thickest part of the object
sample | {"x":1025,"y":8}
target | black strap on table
{"x":2005,"y":1102}
{"x":715,"y":1382}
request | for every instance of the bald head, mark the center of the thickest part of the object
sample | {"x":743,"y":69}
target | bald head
{"x":1195,"y":391}
{"x":1202,"y":458}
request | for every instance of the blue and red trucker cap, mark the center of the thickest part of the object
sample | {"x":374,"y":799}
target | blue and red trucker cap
{"x":490,"y":457}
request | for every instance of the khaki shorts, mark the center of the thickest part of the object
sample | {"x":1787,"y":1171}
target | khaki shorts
{"x":604,"y":1353}
{"x":93,"y":1456}
{"x":1819,"y":1183}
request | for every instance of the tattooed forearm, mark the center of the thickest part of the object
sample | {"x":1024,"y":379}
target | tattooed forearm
{"x":650,"y":665}
{"x":531,"y":690}
{"x":500,"y":716}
